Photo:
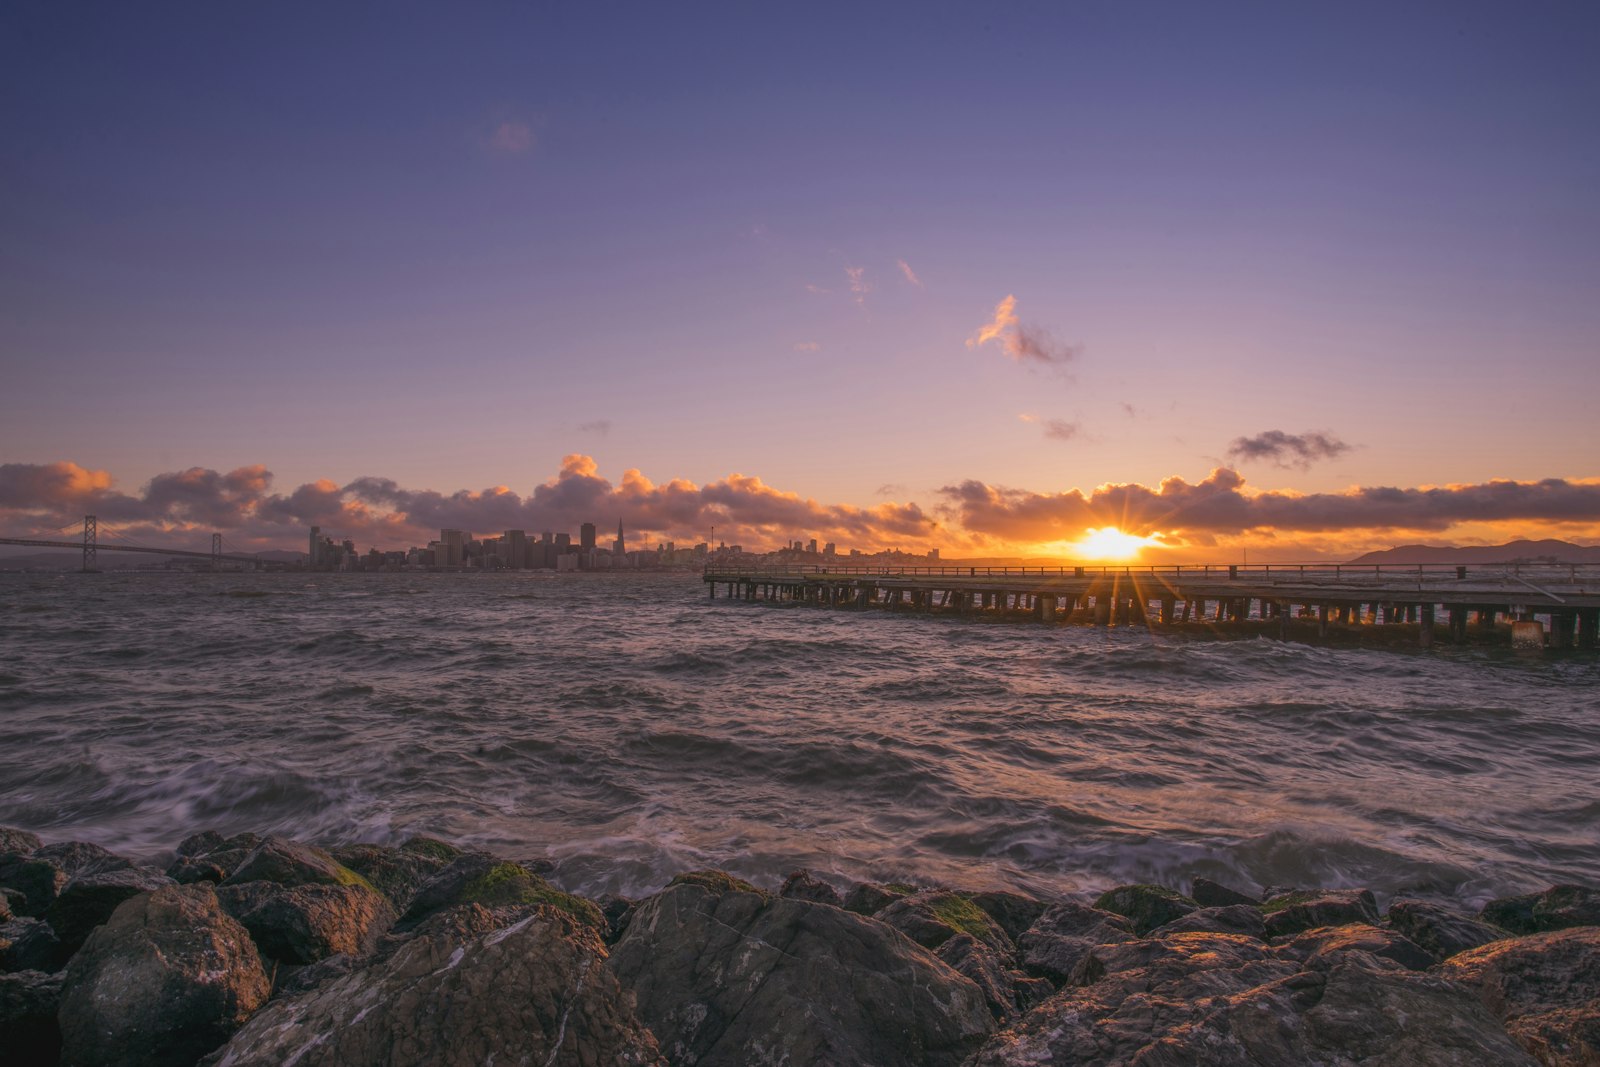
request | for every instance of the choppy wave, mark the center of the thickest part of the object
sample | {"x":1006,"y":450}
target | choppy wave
{"x":625,"y":728}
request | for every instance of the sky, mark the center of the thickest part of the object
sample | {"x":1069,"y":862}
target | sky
{"x":1302,"y":279}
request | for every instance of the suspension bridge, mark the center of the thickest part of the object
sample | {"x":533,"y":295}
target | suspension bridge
{"x":89,"y":543}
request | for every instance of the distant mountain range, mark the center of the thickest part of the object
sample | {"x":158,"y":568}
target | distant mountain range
{"x":1514,"y":552}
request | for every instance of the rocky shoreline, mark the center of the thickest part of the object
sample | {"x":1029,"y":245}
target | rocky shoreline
{"x":255,"y":950}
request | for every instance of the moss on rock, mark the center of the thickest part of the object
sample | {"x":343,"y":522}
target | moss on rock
{"x":716,"y":881}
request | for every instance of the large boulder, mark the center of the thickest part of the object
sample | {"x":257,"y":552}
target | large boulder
{"x":803,"y":885}
{"x":1223,"y":999}
{"x":1545,"y":987}
{"x":89,"y":900}
{"x":1558,"y":908}
{"x":287,"y":862}
{"x":210,"y":857}
{"x":1012,"y":912}
{"x":29,"y":1033}
{"x":533,"y":992}
{"x":397,"y":873}
{"x":1309,"y":945}
{"x":1065,"y":935}
{"x":725,"y":975}
{"x":933,"y":917}
{"x":474,"y":878}
{"x":869,"y":898}
{"x":1438,"y":929}
{"x":1209,"y":894}
{"x":1290,"y":913}
{"x":1146,"y":906}
{"x":39,"y":875}
{"x":1230,"y":919}
{"x":166,"y":980}
{"x":302,"y":924}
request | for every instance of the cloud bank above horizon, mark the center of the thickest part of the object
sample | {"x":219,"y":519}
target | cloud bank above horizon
{"x":966,"y":517}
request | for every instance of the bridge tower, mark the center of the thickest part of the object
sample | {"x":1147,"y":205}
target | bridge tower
{"x":91,"y":537}
{"x":216,"y":552}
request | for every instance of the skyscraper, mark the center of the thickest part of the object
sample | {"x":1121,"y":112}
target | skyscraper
{"x":586,"y":537}
{"x":617,"y":547}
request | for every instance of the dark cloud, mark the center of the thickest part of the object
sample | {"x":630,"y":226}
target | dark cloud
{"x":599,"y":426}
{"x":1022,"y":342}
{"x":1061,"y":430}
{"x":1288,"y":450}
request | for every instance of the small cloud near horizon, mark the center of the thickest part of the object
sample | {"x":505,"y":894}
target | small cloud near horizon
{"x":911,"y":275}
{"x":807,"y":346}
{"x":891,"y":489}
{"x":1023,"y":343}
{"x":512,"y":138}
{"x":1061,"y":430}
{"x":599,"y":426}
{"x":1287,"y":450}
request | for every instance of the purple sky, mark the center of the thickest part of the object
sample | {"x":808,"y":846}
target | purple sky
{"x":449,"y":245}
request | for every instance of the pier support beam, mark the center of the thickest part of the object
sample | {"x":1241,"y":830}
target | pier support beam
{"x":1425,"y":635}
{"x":1588,"y":622}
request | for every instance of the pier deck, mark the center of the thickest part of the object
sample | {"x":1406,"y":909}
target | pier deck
{"x":1554,"y":604}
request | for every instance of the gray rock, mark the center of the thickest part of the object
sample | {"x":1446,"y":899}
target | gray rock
{"x":1012,"y":912}
{"x":1146,"y":906}
{"x":803,"y":885}
{"x":166,"y":980}
{"x":278,"y":859}
{"x":1545,"y":987}
{"x":209,"y":857}
{"x":40,"y":874}
{"x":536,"y":991}
{"x":1209,"y":894}
{"x":396,"y":873}
{"x":932,"y":917}
{"x":869,"y":898}
{"x":1385,"y":943}
{"x":302,"y":924}
{"x":1224,"y":1000}
{"x":18,"y":841}
{"x":1005,"y":989}
{"x":1439,"y":930}
{"x":731,"y":977}
{"x":1230,"y":919}
{"x":6,"y":914}
{"x":29,"y":1033}
{"x":1059,"y":941}
{"x":30,"y":945}
{"x":1558,"y":908}
{"x":474,"y":878}
{"x":1289,"y":913}
{"x":88,"y":900}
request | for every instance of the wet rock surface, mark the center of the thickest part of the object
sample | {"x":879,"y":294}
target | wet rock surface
{"x":1544,"y":987}
{"x":255,"y":950}
{"x":726,"y":976}
{"x":166,"y":980}
{"x":534,"y":992}
{"x":1202,"y":998}
{"x":302,"y":924}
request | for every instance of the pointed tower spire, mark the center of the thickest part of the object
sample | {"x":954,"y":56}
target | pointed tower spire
{"x":618,"y":548}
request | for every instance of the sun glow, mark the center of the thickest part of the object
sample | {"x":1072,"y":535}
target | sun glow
{"x":1108,"y":543}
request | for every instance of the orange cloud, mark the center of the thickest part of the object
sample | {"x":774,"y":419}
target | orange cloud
{"x":1021,"y":342}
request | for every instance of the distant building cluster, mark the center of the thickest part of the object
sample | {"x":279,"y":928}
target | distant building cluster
{"x":511,"y":550}
{"x":518,"y":550}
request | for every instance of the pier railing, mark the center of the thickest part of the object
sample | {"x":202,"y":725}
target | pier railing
{"x":1570,"y":572}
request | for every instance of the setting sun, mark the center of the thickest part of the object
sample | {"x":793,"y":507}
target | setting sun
{"x":1108,"y":542}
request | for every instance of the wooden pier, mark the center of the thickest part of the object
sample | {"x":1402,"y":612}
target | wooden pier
{"x":1554,"y":605}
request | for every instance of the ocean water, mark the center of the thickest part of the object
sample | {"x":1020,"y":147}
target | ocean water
{"x":621,"y":729}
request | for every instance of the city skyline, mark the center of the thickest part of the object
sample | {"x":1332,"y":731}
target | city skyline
{"x":1213,"y":280}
